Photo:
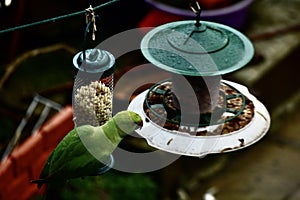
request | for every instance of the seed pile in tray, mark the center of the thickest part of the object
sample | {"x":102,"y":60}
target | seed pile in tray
{"x":229,"y":122}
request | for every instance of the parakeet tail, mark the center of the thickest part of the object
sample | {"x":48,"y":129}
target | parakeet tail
{"x":47,"y":195}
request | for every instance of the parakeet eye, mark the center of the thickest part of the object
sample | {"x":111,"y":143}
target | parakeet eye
{"x":139,"y":123}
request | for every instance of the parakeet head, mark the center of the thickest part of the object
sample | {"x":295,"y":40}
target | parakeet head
{"x":127,"y":121}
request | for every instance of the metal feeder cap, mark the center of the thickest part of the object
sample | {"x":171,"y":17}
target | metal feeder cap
{"x":96,"y":61}
{"x":207,"y":50}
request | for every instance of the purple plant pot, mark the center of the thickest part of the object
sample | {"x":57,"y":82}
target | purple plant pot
{"x":234,"y":15}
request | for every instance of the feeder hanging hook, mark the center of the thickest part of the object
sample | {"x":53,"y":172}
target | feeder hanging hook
{"x":195,"y":7}
{"x":90,"y":18}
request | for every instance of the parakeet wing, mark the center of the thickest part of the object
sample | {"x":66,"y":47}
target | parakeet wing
{"x":70,"y":159}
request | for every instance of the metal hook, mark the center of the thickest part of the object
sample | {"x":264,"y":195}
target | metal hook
{"x":90,"y":18}
{"x":195,"y":7}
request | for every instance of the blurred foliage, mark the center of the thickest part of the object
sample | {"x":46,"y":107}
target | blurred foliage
{"x":131,"y":187}
{"x":110,"y":186}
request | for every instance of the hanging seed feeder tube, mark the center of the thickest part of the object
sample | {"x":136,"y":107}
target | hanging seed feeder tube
{"x":93,"y":87}
{"x":93,"y":92}
{"x":196,"y":109}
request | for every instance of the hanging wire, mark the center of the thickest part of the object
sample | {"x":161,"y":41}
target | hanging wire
{"x":54,"y":19}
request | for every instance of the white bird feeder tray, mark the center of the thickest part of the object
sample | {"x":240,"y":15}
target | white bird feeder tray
{"x":183,"y":143}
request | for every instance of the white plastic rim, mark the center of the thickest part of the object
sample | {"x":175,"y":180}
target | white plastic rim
{"x":185,"y":144}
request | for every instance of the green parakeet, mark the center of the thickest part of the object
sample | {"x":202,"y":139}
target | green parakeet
{"x":84,"y":149}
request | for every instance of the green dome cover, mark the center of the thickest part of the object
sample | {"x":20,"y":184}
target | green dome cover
{"x":207,"y":50}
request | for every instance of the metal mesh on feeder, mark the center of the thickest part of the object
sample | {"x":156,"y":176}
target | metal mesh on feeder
{"x":197,"y":56}
{"x":94,"y":103}
{"x":93,"y":87}
{"x":204,"y":90}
